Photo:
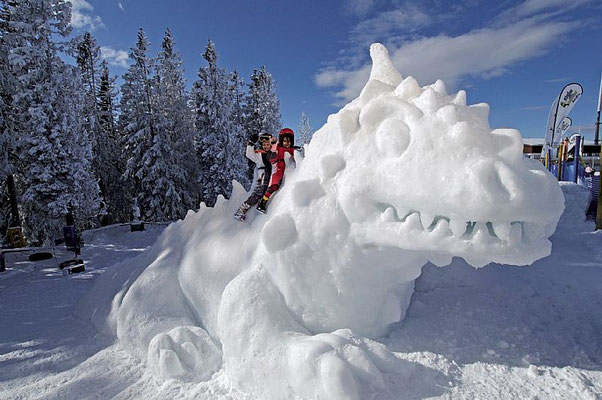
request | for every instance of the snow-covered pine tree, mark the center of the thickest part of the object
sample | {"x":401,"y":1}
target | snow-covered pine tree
{"x":304,"y":131}
{"x":5,"y":93}
{"x":169,"y":181}
{"x":136,"y":121}
{"x":84,"y":190}
{"x":239,"y":162}
{"x":8,"y":196}
{"x":213,"y":109}
{"x":105,"y":150}
{"x":5,"y":140}
{"x":87,"y":55}
{"x":53,"y":163}
{"x":262,"y":108}
{"x":109,"y":149}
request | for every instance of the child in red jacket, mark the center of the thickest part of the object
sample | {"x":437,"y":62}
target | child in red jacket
{"x":286,"y":141}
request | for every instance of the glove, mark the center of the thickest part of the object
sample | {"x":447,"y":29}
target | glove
{"x":253,"y":138}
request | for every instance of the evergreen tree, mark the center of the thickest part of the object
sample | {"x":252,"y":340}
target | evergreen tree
{"x":7,"y":132}
{"x":53,"y":148}
{"x":84,"y":190}
{"x":239,"y":162}
{"x":213,"y":110}
{"x":136,"y":121}
{"x":169,"y":184}
{"x":262,"y":109}
{"x":5,"y":94}
{"x":100,"y":124}
{"x":109,"y":150}
{"x":88,"y":61}
{"x":304,"y":131}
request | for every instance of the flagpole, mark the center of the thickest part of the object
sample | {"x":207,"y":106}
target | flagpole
{"x":599,"y":209}
{"x":598,"y":118}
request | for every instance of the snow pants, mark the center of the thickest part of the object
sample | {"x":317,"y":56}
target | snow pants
{"x":260,"y":188}
{"x":276,"y":180}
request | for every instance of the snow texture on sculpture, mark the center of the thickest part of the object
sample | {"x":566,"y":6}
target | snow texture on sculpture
{"x":401,"y":176}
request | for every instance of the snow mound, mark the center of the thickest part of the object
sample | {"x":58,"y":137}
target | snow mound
{"x":401,"y":176}
{"x":577,"y":199}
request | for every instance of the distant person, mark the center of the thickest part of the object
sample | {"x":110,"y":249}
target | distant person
{"x":286,"y":141}
{"x":263,"y":170}
{"x":591,"y":183}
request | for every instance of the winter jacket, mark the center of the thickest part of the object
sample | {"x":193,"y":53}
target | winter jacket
{"x":263,"y":166}
{"x":278,"y":166}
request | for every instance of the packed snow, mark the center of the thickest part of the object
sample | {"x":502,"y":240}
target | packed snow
{"x":337,"y":293}
{"x":495,"y":332}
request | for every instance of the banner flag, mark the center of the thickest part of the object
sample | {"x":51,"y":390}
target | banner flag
{"x":561,"y":107}
{"x":565,"y":125}
{"x":568,"y":97}
{"x":550,"y":127}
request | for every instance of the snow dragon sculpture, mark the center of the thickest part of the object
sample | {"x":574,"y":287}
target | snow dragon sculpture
{"x":401,"y":176}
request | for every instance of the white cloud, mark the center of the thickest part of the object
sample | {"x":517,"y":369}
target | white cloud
{"x":120,"y":5}
{"x":556,"y":80}
{"x":118,"y":58}
{"x":533,"y":7}
{"x":81,"y":17}
{"x":359,"y":7}
{"x":536,"y":108}
{"x":481,"y":53}
{"x":389,"y":23}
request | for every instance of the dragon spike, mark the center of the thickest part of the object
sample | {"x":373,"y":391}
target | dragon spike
{"x":382,"y":67}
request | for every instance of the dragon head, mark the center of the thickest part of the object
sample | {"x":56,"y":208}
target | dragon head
{"x":401,"y":176}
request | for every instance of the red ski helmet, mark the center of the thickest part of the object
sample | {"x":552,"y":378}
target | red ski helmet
{"x":286,"y":132}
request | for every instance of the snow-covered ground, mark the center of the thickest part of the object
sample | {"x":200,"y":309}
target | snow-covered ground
{"x":495,"y":332}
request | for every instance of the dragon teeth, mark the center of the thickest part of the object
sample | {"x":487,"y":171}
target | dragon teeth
{"x":501,"y":229}
{"x":441,"y":228}
{"x":480,"y":233}
{"x":458,"y":227}
{"x":427,"y":220}
{"x":413,"y":222}
{"x":389,"y":215}
{"x":516,"y":232}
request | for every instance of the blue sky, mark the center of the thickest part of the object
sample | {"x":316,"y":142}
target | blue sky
{"x":515,"y":55}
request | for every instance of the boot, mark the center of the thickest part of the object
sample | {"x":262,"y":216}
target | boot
{"x":241,"y":213}
{"x":262,"y":205}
